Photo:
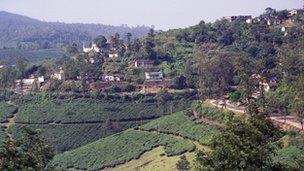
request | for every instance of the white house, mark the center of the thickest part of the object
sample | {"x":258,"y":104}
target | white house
{"x":93,"y":48}
{"x":92,"y":60}
{"x":143,"y":64}
{"x":154,"y":76}
{"x":113,"y":55}
{"x":58,"y":75}
{"x":41,"y":79}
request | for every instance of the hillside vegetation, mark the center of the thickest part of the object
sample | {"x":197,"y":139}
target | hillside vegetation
{"x":24,"y":32}
{"x":182,"y":125}
{"x":118,"y":149}
{"x":11,"y":56}
{"x":63,"y":121}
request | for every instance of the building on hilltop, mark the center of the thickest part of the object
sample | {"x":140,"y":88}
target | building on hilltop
{"x":243,"y":18}
{"x":154,"y":76}
{"x":143,"y":63}
{"x":58,"y":75}
{"x":93,"y":48}
{"x":113,"y":55}
{"x":111,"y":78}
{"x":294,"y":12}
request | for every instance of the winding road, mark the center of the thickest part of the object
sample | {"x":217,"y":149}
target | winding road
{"x":290,"y":122}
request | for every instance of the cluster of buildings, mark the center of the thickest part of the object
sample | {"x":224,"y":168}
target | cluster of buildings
{"x":273,"y":20}
{"x":23,"y":86}
{"x":94,"y":48}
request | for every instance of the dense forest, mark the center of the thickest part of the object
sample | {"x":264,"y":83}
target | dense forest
{"x":26,"y":33}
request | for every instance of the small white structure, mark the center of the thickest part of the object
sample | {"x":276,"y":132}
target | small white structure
{"x":295,"y":12}
{"x":1,"y":66}
{"x":26,"y":82}
{"x":111,"y":78}
{"x":41,"y":79}
{"x":244,"y":18}
{"x":143,"y":64}
{"x":154,"y":76}
{"x":92,"y":60}
{"x":113,"y":55}
{"x":58,"y":75}
{"x":93,"y":48}
{"x":284,"y":30}
{"x":249,"y":20}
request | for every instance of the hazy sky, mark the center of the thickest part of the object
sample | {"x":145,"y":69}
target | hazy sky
{"x":163,"y":14}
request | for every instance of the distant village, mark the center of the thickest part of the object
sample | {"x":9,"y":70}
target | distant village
{"x":154,"y":79}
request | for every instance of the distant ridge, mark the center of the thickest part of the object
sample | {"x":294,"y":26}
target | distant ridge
{"x":21,"y":31}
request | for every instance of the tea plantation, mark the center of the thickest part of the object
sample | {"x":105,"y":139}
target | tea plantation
{"x":89,"y":111}
{"x":182,"y":125}
{"x":69,"y":136}
{"x":118,"y":149}
{"x":6,"y":111}
{"x":68,"y":123}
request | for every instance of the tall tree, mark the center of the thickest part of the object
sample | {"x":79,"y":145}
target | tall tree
{"x":100,"y":41}
{"x":30,"y":153}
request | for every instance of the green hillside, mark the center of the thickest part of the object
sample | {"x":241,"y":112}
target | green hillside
{"x":120,"y":148}
{"x":10,"y":56}
{"x":181,"y":125}
{"x":6,"y":111}
{"x":174,"y":132}
{"x":68,"y":123}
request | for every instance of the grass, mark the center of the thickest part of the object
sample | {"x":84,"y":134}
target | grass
{"x":118,"y":149}
{"x":153,"y":160}
{"x":182,"y":125}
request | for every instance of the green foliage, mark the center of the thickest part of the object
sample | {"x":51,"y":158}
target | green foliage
{"x":180,"y":124}
{"x":118,"y":149}
{"x":244,"y":145}
{"x":30,"y":153}
{"x":235,"y":96}
{"x":63,"y":120}
{"x":86,"y":110}
{"x":66,"y":137}
{"x":6,"y":111}
{"x":290,"y":155}
{"x":214,"y":113}
{"x":183,"y":164}
{"x":23,"y":32}
{"x":9,"y":55}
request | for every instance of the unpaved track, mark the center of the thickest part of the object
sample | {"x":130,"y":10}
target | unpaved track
{"x":291,"y":121}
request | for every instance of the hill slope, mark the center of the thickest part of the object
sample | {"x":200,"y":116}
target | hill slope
{"x":17,"y":30}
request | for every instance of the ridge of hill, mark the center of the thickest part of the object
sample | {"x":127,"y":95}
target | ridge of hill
{"x":21,"y":31}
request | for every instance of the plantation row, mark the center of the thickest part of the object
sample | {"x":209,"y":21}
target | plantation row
{"x":213,"y":113}
{"x":90,"y":110}
{"x":71,"y":136}
{"x":182,"y":125}
{"x":6,"y":111}
{"x":118,"y":149}
{"x":3,"y":136}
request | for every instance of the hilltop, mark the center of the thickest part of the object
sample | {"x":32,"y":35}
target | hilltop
{"x":21,"y":31}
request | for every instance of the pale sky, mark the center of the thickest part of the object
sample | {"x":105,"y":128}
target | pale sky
{"x":164,"y":14}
